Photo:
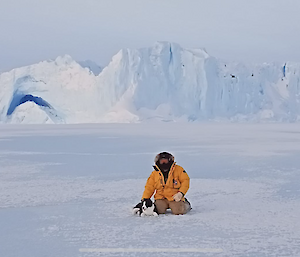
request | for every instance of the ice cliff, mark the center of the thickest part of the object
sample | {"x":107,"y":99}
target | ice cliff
{"x":164,"y":82}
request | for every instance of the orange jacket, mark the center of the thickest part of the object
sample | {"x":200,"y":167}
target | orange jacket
{"x":178,"y":181}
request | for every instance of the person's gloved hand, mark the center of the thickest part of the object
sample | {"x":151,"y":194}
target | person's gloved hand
{"x":178,"y":196}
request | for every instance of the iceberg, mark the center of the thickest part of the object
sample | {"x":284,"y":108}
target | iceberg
{"x":164,"y":82}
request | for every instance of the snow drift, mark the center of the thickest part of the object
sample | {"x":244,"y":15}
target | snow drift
{"x":164,"y":82}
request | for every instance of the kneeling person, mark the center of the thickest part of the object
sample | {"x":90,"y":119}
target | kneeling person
{"x":171,"y":183}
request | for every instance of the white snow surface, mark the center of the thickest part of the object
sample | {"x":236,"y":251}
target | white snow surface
{"x":165,"y":82}
{"x":67,"y":187}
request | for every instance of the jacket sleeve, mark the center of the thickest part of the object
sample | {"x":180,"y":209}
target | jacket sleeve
{"x":150,"y":187}
{"x":185,"y":182}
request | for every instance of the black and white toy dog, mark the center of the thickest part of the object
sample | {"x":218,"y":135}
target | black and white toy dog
{"x":145,"y":208}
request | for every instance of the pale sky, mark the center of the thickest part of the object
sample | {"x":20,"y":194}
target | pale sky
{"x":243,"y":30}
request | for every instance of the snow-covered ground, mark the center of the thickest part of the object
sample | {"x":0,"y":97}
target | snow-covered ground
{"x":67,"y":187}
